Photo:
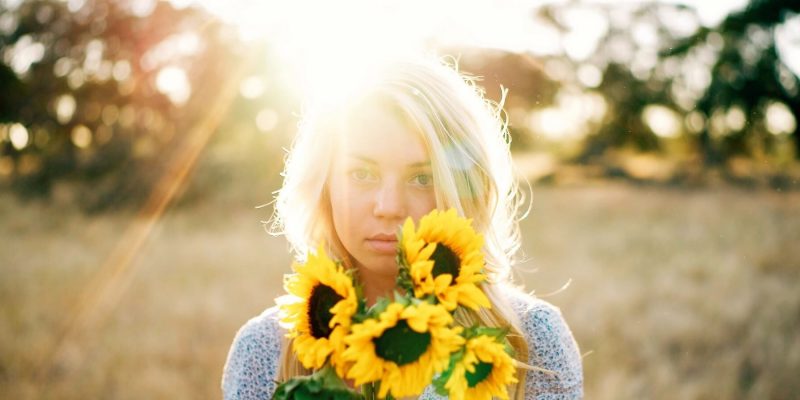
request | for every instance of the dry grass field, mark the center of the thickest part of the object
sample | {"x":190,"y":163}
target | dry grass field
{"x":689,"y":294}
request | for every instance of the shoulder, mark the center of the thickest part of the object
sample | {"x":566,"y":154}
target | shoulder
{"x":251,"y":368}
{"x":550,"y":346}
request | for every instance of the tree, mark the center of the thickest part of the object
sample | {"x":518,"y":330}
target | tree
{"x":747,"y":74}
{"x":106,"y":92}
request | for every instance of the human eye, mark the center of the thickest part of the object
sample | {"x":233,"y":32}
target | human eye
{"x":362,"y":174}
{"x":422,"y":180}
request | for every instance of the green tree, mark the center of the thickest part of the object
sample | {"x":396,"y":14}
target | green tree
{"x":88,"y":84}
{"x":748,"y":74}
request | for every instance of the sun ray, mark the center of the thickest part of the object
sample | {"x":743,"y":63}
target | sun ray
{"x":111,"y":280}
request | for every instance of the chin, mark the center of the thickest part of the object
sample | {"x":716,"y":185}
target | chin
{"x":384,"y":265}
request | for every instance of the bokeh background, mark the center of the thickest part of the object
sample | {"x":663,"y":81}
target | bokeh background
{"x":141,"y":142}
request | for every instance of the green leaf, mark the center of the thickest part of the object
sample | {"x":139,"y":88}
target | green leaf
{"x":474,"y":331}
{"x":380,"y":306}
{"x":362,"y":312}
{"x":313,"y":386}
{"x":441,"y":380}
{"x":402,"y":299}
{"x":509,"y":349}
{"x":322,"y":384}
{"x":404,"y":280}
{"x":302,"y":393}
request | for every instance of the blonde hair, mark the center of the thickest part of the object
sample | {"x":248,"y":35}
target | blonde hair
{"x":468,"y":142}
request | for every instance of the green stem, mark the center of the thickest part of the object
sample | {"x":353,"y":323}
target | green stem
{"x":368,"y":389}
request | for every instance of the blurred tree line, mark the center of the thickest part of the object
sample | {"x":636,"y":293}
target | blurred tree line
{"x":100,"y":93}
{"x":667,"y":86}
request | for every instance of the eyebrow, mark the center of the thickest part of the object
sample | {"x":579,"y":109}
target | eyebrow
{"x":371,"y":161}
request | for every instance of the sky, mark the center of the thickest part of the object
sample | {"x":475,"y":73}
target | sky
{"x":308,"y":34}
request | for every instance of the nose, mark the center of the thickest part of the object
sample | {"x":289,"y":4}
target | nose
{"x":389,"y":201}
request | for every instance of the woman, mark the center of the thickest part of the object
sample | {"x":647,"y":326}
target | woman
{"x":416,"y":136}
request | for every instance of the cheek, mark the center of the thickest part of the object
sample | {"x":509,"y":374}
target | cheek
{"x":339,"y":202}
{"x":422,"y":204}
{"x":345,"y":208}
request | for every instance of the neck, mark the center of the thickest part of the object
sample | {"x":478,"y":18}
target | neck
{"x":376,"y":285}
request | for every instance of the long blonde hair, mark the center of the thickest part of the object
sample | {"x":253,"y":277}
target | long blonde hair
{"x":468,"y":142}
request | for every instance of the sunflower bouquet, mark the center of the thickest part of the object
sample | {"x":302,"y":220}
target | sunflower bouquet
{"x":402,"y":344}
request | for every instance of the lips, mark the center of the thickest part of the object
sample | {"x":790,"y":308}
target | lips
{"x":382,"y":243}
{"x":383,"y":236}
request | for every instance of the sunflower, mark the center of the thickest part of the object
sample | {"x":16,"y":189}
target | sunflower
{"x":318,"y":310}
{"x":484,"y":372}
{"x":403,"y":348}
{"x":444,"y":258}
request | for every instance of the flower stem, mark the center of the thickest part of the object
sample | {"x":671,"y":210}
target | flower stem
{"x":368,"y":389}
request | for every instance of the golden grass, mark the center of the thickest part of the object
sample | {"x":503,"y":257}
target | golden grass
{"x":677,"y":294}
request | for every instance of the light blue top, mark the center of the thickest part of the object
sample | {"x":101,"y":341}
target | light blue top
{"x":252,"y":366}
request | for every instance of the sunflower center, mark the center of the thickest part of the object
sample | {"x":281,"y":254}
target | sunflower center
{"x":319,"y":310}
{"x":401,"y":344}
{"x":445,"y":261}
{"x":482,"y":370}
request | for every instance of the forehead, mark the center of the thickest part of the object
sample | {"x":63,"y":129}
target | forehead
{"x":380,"y":133}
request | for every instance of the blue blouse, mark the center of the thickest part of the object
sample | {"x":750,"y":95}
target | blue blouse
{"x":252,"y":366}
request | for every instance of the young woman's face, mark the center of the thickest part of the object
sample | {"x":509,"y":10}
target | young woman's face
{"x":381,"y":174}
